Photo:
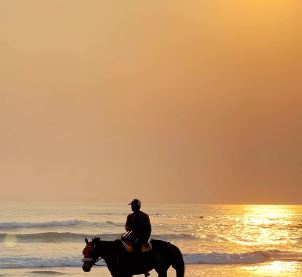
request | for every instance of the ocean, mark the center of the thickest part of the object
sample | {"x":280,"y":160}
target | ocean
{"x":46,"y":239}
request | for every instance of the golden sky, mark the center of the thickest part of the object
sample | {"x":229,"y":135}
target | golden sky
{"x":168,"y":101}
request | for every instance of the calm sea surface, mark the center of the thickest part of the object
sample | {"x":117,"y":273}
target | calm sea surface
{"x":45,"y":239}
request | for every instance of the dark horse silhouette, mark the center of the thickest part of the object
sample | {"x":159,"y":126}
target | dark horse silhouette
{"x":123,"y":264}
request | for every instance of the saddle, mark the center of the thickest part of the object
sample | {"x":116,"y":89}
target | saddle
{"x":129,"y":246}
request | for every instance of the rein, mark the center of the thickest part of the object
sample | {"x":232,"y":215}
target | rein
{"x":97,"y":260}
{"x":95,"y":263}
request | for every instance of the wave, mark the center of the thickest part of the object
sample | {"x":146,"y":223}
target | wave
{"x":72,"y":223}
{"x":18,"y":225}
{"x":64,"y":223}
{"x":69,"y":223}
{"x":255,"y":257}
{"x":46,"y":272}
{"x":51,"y":237}
{"x":100,"y":213}
{"x":34,"y":262}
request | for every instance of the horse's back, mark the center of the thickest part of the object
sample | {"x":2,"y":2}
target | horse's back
{"x":161,"y":245}
{"x":170,"y":254}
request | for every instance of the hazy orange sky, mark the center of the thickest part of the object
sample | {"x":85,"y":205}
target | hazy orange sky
{"x":168,"y":101}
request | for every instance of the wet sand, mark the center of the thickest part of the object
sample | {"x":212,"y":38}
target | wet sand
{"x":272,"y":269}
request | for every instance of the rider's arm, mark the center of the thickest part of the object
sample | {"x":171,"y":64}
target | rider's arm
{"x":128,"y":228}
{"x":148,"y":227}
{"x":128,"y":224}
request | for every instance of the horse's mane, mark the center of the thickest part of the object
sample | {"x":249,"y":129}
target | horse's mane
{"x":106,"y":247}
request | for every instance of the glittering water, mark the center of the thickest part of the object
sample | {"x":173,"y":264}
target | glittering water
{"x":38,"y":239}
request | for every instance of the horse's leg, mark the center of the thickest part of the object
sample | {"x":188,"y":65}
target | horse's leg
{"x":162,"y":273}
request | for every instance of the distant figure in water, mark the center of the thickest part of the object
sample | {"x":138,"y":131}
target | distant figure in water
{"x":138,"y":226}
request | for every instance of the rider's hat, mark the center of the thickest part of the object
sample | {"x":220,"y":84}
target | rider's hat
{"x":135,"y":202}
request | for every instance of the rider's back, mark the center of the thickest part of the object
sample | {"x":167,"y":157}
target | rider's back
{"x":139,"y":223}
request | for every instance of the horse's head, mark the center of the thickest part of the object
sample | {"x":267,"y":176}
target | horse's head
{"x":90,"y":255}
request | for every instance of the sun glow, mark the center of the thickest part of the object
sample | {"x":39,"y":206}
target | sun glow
{"x":265,"y":226}
{"x":265,"y":215}
{"x":275,"y":268}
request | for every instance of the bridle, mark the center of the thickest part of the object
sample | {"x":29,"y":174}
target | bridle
{"x":89,"y":260}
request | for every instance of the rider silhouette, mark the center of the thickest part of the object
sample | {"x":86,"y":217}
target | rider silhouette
{"x":138,"y":226}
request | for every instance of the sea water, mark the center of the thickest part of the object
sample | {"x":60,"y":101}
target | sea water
{"x":45,"y":239}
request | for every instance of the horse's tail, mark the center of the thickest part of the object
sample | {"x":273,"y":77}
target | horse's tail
{"x":178,"y":262}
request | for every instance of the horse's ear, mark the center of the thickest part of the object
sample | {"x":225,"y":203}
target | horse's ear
{"x":86,"y":240}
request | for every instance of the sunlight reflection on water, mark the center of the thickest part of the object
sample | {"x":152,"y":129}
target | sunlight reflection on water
{"x":217,"y":240}
{"x":275,"y":268}
{"x":265,"y":226}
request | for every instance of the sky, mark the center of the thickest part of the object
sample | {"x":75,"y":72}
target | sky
{"x":168,"y":101}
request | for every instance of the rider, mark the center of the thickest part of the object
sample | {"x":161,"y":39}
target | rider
{"x":138,"y":225}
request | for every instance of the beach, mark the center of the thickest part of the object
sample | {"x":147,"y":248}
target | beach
{"x":285,"y":269}
{"x":46,"y":239}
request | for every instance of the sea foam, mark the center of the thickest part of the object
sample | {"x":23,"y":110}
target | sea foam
{"x":241,"y":258}
{"x":190,"y":258}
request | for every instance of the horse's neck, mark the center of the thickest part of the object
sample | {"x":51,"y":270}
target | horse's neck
{"x":106,"y":249}
{"x":108,"y":252}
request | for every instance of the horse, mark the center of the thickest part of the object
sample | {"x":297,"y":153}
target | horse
{"x":121,"y":263}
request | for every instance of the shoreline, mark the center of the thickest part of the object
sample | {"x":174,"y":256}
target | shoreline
{"x":273,"y":268}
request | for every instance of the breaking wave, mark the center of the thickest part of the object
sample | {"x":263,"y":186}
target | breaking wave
{"x":52,"y":237}
{"x":190,"y":258}
{"x":49,"y":224}
{"x":254,"y":257}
